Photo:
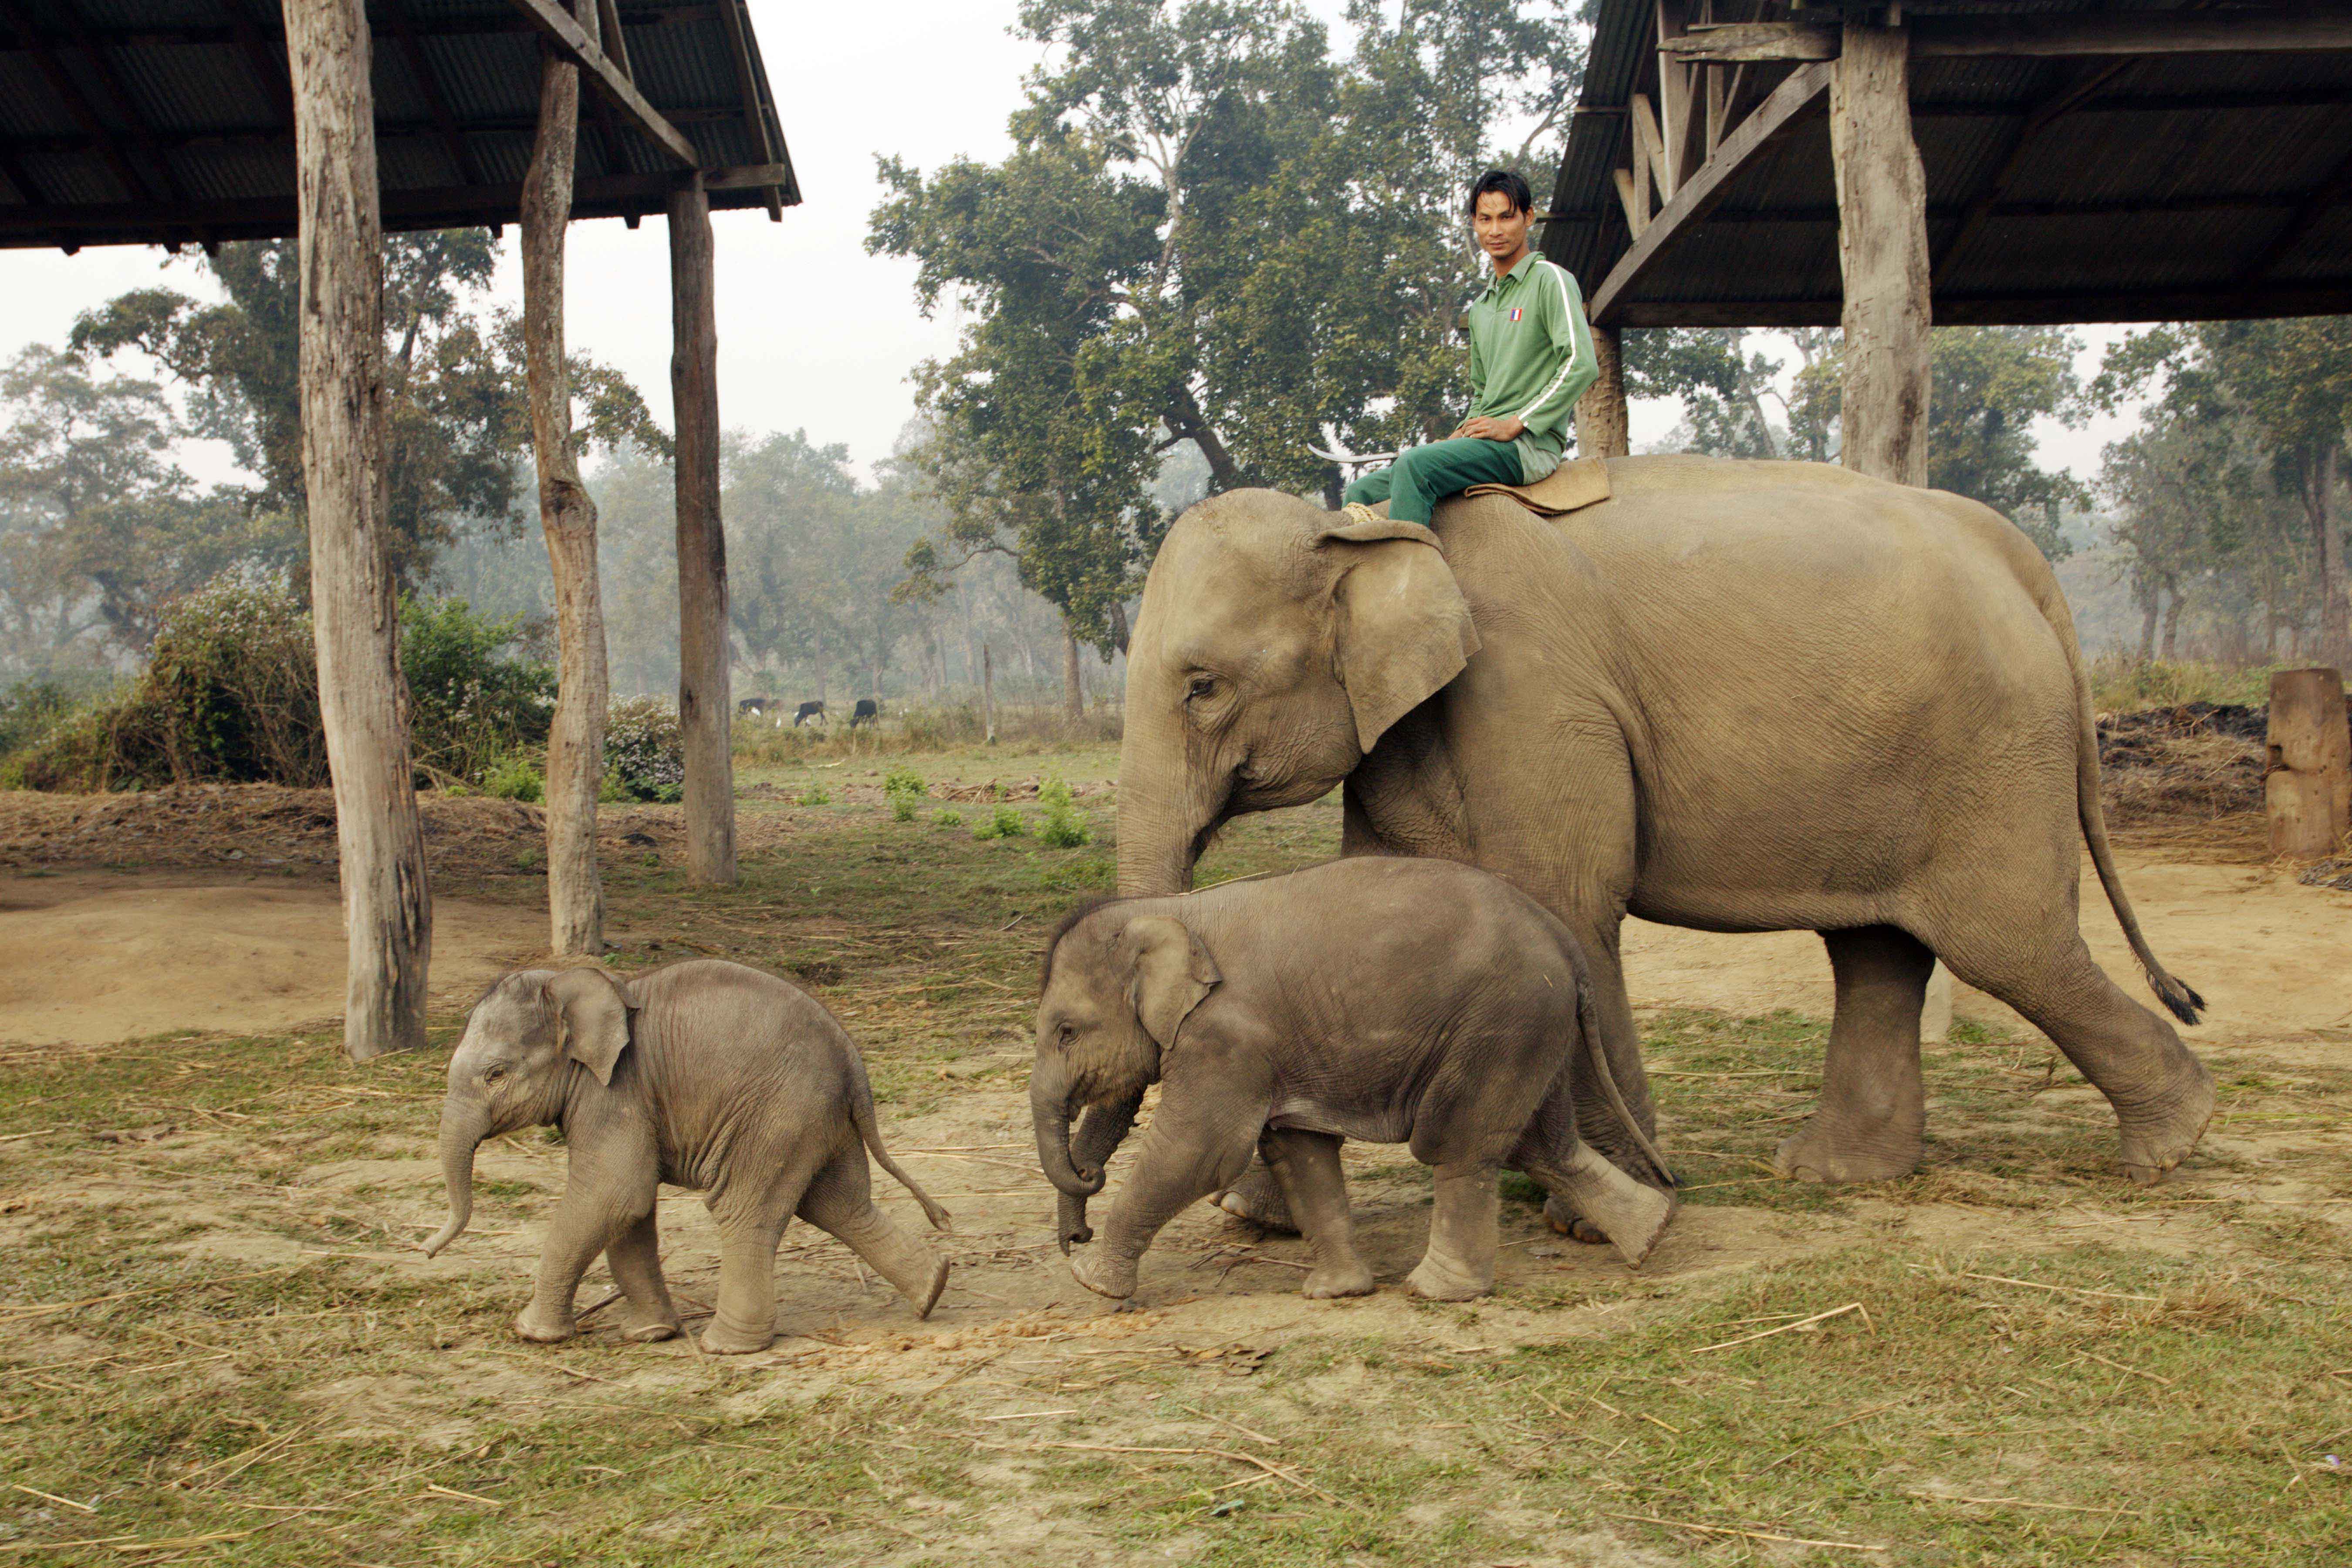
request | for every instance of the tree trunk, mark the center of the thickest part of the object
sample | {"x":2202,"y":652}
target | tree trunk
{"x":988,"y":692}
{"x":362,"y":701}
{"x":2308,"y":788}
{"x":2149,"y":608}
{"x":2172,"y":626}
{"x":1601,"y":417}
{"x":1184,"y":417}
{"x":567,"y":515}
{"x":704,"y":707}
{"x":2334,"y":613}
{"x":1074,"y":690}
{"x":1881,"y":194}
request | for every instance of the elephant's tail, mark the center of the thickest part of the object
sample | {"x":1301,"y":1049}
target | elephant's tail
{"x":2178,"y":999}
{"x":861,"y":1109}
{"x":1587,"y":1024}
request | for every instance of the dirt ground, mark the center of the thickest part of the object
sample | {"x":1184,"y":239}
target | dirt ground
{"x":1223,"y":1418}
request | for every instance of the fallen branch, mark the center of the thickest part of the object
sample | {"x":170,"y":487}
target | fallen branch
{"x":470,"y":1497}
{"x":51,"y":1497}
{"x":1792,"y":1327}
{"x":1750,"y":1535}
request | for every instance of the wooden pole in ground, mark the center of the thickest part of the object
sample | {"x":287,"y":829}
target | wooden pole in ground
{"x":704,"y":708}
{"x":2308,"y":790}
{"x":1882,"y":192}
{"x":988,"y":690}
{"x":567,"y":515}
{"x":363,"y":701}
{"x":1600,"y":421}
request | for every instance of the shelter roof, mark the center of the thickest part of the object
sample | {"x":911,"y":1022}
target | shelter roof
{"x":171,"y":122}
{"x":2082,"y":184}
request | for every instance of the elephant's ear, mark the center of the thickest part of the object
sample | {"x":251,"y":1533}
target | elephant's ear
{"x":593,"y":1012}
{"x":1169,"y":972}
{"x":1403,"y":627}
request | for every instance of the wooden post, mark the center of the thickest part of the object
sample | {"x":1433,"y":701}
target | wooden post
{"x":988,"y":690}
{"x":363,"y":701}
{"x":567,"y":515}
{"x":1600,"y":421}
{"x":2308,"y":791}
{"x":704,"y":705}
{"x":1882,"y":255}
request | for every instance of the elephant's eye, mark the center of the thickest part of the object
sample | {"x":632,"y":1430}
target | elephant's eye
{"x":1066,"y":1033}
{"x":1201,"y":685}
{"x":492,"y":1074}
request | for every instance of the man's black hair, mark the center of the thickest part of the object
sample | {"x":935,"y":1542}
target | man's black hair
{"x":1505,"y":182}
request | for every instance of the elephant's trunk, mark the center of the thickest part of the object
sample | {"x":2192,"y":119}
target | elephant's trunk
{"x":1162,"y":828}
{"x":462,"y":1130}
{"x":1049,"y":1110}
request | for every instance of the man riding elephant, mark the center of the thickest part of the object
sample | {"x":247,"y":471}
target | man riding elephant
{"x":1530,"y":359}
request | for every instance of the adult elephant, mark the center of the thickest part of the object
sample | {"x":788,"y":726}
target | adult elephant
{"x":1736,"y":695}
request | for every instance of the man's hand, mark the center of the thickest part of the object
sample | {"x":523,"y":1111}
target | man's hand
{"x":1482,"y":429}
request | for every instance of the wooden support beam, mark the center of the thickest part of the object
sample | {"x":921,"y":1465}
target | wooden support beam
{"x":2223,"y":302}
{"x":1637,"y":213}
{"x":1882,"y":256}
{"x":1601,"y":423}
{"x":567,"y":517}
{"x":2040,"y":37}
{"x":462,"y":163}
{"x":2332,"y":194}
{"x":1791,"y":103}
{"x":706,"y":710}
{"x":268,"y":71}
{"x":387,"y":913}
{"x":1649,"y":148}
{"x":2049,"y":112}
{"x":606,"y":77}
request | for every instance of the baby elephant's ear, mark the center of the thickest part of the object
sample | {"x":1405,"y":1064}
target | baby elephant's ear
{"x":1169,"y":972}
{"x":595,"y":1018}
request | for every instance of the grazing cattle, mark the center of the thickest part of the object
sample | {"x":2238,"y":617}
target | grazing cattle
{"x":754,"y":707}
{"x":866,"y":712}
{"x":809,"y":711}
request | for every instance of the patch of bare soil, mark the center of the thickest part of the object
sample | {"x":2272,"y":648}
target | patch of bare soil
{"x":90,"y":957}
{"x":270,"y":825}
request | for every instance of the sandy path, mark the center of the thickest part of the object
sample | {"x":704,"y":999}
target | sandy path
{"x":87,"y":958}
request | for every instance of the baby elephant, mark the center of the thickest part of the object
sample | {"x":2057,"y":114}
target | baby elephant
{"x":704,"y":1075}
{"x":1393,"y":1000}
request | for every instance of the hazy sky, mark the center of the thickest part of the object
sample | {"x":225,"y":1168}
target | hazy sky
{"x":814,"y":333}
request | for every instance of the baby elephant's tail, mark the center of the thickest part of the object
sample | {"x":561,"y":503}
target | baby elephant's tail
{"x":861,"y":1107}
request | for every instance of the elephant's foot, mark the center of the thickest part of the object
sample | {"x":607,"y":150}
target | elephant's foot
{"x":648,"y":1328}
{"x":1561,"y":1216}
{"x":1258,"y":1198}
{"x":1331,"y":1280}
{"x":543,"y":1328}
{"x":1438,"y":1280}
{"x":723,"y":1338}
{"x":1834,"y":1152}
{"x":2158,"y":1137}
{"x":928,"y":1297}
{"x":1103,"y":1278}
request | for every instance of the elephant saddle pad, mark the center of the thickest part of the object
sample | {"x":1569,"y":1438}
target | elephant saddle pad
{"x":1574,"y":484}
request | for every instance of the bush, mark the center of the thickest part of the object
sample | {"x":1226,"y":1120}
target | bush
{"x":514,"y":777}
{"x":816,"y":794}
{"x":1063,"y":826}
{"x":644,"y":752}
{"x":1006,"y":822}
{"x":470,"y":706}
{"x":903,"y":787}
{"x":949,"y":818}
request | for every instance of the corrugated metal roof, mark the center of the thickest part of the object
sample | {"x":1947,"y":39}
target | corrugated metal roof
{"x":2180,"y":185}
{"x":126,"y":121}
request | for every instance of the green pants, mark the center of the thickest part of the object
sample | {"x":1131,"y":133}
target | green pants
{"x":1423,"y":476}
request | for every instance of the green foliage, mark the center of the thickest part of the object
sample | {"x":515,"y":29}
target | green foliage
{"x":31,"y":709}
{"x":1062,"y":826}
{"x":514,"y":777}
{"x":903,"y":787}
{"x":471,"y":707}
{"x":947,"y":818}
{"x":816,"y":794}
{"x":2120,"y":685}
{"x":645,"y":751}
{"x":1005,"y":822}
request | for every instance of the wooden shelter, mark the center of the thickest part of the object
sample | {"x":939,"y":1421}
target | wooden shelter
{"x":198,"y":122}
{"x":1748,"y":163}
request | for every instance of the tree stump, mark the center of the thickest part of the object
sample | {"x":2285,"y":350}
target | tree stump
{"x":2307,"y":791}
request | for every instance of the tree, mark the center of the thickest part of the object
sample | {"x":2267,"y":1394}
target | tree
{"x":457,"y":414}
{"x":97,"y":529}
{"x":2292,"y":379}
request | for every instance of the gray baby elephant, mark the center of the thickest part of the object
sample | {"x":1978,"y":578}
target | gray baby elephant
{"x":1393,"y":1000}
{"x":705,"y":1075}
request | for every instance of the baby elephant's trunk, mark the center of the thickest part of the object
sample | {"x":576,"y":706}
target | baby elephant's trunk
{"x":1049,"y":1110}
{"x":461,"y":1133}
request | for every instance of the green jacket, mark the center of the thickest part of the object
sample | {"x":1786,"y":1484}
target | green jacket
{"x":1531,"y":357}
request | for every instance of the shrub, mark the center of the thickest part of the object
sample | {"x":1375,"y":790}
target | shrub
{"x":470,"y":706}
{"x":816,"y":794}
{"x":645,"y":751}
{"x":1006,"y":822}
{"x":903,"y":787}
{"x":949,"y":818}
{"x":1063,"y":826}
{"x":514,"y":777}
